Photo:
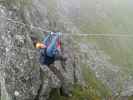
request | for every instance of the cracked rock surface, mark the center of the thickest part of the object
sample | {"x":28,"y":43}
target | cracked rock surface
{"x":21,"y":75}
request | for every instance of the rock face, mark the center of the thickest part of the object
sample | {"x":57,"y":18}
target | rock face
{"x":21,"y":75}
{"x":20,"y":72}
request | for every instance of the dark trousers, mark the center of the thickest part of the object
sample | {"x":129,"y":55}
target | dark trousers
{"x":55,"y":70}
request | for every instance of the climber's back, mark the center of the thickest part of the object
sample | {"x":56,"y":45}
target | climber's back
{"x":53,"y":43}
{"x":49,"y":49}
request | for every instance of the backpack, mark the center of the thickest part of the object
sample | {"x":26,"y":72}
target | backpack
{"x":56,"y":47}
{"x":46,"y":58}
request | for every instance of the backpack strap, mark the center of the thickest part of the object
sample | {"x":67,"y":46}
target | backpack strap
{"x":58,"y":45}
{"x":47,"y":39}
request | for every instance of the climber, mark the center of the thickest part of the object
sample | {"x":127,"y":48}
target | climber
{"x":50,"y":49}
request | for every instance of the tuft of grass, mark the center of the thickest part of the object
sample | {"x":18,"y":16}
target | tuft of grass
{"x":94,"y":89}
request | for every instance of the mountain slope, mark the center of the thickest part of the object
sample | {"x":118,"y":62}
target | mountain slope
{"x":98,"y":68}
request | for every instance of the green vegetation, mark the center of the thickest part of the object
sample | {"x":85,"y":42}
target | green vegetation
{"x":94,"y":89}
{"x":114,"y":19}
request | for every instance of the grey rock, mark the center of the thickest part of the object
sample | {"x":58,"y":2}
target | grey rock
{"x":21,"y":75}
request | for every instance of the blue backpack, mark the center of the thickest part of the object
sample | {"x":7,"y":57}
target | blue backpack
{"x":53,"y":45}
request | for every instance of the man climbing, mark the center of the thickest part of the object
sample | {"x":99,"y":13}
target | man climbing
{"x":50,"y":51}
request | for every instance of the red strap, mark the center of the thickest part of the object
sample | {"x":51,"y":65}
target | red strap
{"x":59,"y":44}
